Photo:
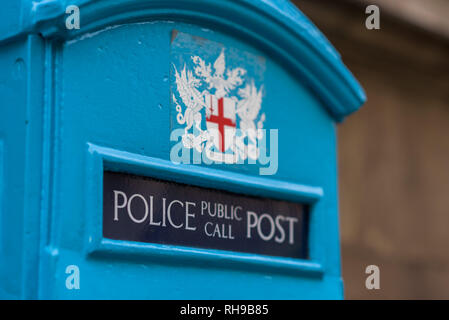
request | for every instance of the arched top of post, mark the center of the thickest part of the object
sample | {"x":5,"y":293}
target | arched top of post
{"x":275,"y":25}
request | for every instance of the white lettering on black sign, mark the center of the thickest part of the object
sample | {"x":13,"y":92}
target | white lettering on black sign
{"x":148,"y":210}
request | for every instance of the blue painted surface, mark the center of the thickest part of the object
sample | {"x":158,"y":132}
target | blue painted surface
{"x":75,"y":102}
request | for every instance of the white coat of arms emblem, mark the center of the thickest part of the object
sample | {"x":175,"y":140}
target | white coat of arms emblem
{"x":219,"y":109}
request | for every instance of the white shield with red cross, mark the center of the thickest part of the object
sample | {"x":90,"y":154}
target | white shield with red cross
{"x":218,"y":109}
{"x":221,"y":122}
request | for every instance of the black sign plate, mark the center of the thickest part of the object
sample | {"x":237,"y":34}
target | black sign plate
{"x":143,"y":209}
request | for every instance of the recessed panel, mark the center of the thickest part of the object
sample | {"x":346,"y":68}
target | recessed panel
{"x":137,"y":208}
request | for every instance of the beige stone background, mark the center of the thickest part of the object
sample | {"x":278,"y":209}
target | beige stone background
{"x":394,"y":152}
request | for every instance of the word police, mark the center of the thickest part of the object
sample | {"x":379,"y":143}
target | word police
{"x":190,"y":216}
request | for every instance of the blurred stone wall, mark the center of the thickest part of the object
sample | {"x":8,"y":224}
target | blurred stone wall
{"x":393,"y":153}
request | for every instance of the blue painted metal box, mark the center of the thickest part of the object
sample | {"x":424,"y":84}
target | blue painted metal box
{"x":236,"y":97}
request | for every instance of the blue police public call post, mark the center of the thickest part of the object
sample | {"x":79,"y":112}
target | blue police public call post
{"x":169,"y":150}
